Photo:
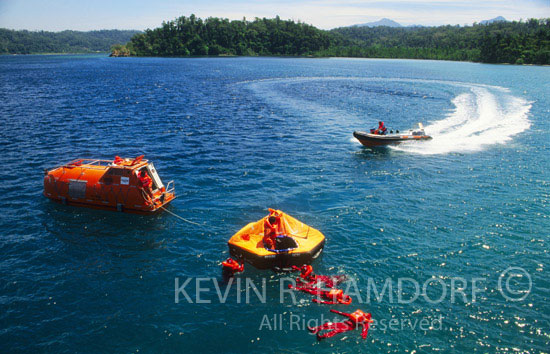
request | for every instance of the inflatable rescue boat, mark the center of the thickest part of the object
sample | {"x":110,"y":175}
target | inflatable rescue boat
{"x":374,"y":140}
{"x":109,"y":184}
{"x":277,"y":241}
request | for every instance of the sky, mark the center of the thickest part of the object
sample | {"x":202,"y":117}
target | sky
{"x":85,"y":15}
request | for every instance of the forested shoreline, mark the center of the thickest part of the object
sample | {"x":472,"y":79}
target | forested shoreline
{"x":523,"y":42}
{"x":42,"y":42}
{"x":499,"y":42}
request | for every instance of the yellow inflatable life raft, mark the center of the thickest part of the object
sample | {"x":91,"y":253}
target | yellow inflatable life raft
{"x":277,"y":241}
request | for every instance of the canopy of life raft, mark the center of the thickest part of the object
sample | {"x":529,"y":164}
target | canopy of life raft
{"x":250,"y":237}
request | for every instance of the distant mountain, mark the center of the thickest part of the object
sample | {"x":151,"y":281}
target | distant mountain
{"x":391,"y":23}
{"x":496,"y":19}
{"x":383,"y":22}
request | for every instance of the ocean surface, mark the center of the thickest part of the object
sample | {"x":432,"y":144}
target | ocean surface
{"x":446,"y":242}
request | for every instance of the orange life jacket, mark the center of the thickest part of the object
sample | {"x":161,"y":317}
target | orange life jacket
{"x":145,"y":181}
{"x":272,"y":230}
{"x":381,"y":129}
{"x":358,"y":316}
{"x":336,"y":293}
{"x":306,"y":271}
{"x":233,"y":265}
{"x":118,"y":160}
{"x":269,"y":242}
{"x":137,"y":160}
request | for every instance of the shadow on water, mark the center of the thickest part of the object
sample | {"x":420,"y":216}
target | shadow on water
{"x":98,"y":228}
{"x":381,"y":152}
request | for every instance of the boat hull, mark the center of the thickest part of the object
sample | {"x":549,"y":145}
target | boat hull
{"x":374,"y":140}
{"x":138,"y":209}
{"x":102,"y":184}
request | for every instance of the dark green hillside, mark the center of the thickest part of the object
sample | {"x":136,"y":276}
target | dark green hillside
{"x":193,"y":36}
{"x":498,"y":42}
{"x":28,"y":42}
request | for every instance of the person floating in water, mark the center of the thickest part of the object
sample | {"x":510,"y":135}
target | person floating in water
{"x":309,"y":278}
{"x":357,"y":319}
{"x":382,"y":130}
{"x":231,"y":266}
{"x":330,"y":297}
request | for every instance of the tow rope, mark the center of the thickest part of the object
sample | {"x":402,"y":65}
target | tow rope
{"x":179,"y":217}
{"x":168,"y":211}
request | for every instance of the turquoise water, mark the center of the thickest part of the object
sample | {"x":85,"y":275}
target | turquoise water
{"x":240,"y":135}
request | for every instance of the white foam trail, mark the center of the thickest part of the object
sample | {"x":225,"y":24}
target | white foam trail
{"x":481,"y":118}
{"x":484,"y":115}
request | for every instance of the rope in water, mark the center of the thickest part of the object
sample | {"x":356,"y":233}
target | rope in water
{"x":179,"y":217}
{"x":146,"y":197}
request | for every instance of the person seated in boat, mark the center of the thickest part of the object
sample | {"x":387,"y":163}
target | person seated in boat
{"x":272,"y":228}
{"x":146,"y":183}
{"x":382,"y":130}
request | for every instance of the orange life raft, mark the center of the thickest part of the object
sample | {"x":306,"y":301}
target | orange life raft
{"x":108,"y":184}
{"x":296,"y":243}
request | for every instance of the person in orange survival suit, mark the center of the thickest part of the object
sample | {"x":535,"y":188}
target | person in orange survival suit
{"x":309,"y":278}
{"x":381,"y":129}
{"x":146,"y":183}
{"x":272,"y":228}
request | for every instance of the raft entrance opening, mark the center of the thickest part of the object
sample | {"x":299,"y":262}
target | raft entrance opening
{"x":285,"y":243}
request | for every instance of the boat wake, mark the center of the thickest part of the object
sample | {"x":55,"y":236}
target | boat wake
{"x":484,"y":116}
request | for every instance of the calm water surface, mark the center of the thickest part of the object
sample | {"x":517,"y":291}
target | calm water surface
{"x":239,"y":135}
